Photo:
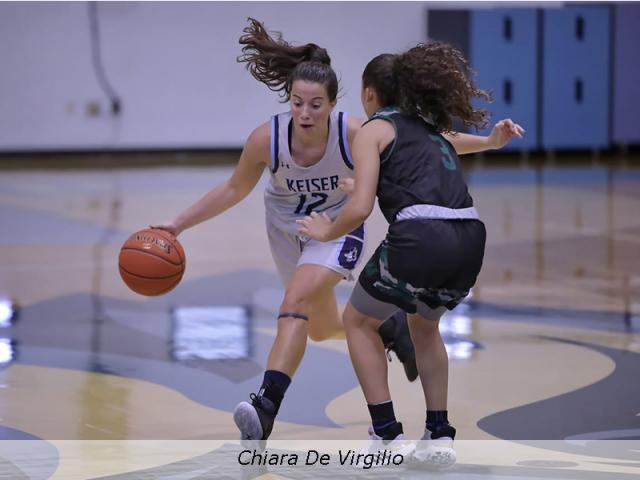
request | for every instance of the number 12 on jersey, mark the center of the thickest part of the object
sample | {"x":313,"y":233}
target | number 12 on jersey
{"x":322,"y":197}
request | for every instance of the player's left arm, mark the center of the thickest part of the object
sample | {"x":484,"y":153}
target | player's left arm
{"x":501,"y":133}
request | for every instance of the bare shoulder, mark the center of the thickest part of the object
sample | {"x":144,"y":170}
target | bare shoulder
{"x":378,"y":131}
{"x":258,"y":144}
{"x":354,"y":124}
{"x":261,"y":135}
{"x":379,"y":126}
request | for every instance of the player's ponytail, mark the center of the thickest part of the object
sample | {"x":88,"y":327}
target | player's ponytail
{"x":274,"y":62}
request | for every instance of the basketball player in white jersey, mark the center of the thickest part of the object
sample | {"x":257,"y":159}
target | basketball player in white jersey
{"x":307,"y":151}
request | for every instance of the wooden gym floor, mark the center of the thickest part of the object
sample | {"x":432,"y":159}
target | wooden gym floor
{"x":546,"y":349}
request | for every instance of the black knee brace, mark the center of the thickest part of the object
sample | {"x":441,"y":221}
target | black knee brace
{"x":293,"y":315}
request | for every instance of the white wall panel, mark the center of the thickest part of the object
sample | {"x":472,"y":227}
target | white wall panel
{"x":174,"y":66}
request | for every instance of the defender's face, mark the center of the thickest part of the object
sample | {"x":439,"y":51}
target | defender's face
{"x":310,"y":106}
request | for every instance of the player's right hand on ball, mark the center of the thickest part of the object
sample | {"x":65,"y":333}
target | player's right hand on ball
{"x":167,"y":227}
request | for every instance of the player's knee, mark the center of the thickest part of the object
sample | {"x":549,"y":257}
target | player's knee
{"x":295,"y":303}
{"x":423,"y":327}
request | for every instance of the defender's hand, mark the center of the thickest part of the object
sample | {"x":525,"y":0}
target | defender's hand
{"x":316,"y":226}
{"x":503,"y":131}
{"x":347,"y":185}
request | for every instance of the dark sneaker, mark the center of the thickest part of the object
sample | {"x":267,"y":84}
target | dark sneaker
{"x":255,"y":419}
{"x":395,"y":336}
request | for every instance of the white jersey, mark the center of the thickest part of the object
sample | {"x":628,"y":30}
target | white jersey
{"x":296,"y":191}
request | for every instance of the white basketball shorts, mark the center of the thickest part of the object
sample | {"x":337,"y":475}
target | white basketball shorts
{"x":290,"y":251}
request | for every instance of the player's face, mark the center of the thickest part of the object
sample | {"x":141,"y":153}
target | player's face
{"x":310,"y":106}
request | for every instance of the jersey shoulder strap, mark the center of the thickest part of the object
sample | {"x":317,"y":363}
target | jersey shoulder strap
{"x":278,"y":122}
{"x":343,"y":140}
{"x":383,"y":114}
{"x":275,"y":132}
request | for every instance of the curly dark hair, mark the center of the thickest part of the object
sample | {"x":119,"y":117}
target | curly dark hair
{"x":274,"y":62}
{"x":432,"y":80}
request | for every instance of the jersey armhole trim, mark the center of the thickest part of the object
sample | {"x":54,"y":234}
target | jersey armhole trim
{"x":274,"y":144}
{"x":343,"y":140}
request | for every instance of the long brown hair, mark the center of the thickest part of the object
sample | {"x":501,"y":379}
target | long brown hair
{"x":432,"y":80}
{"x":274,"y":62}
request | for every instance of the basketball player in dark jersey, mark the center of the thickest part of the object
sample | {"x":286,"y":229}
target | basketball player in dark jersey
{"x":307,"y":152}
{"x":434,"y":247}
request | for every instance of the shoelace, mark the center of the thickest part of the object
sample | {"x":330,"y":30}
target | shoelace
{"x":256,"y":400}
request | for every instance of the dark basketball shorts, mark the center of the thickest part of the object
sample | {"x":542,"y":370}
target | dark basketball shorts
{"x":423,"y":266}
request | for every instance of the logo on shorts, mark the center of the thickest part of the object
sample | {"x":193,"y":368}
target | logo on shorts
{"x":351,"y":255}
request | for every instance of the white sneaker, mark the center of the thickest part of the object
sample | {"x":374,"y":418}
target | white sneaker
{"x":380,"y":453}
{"x":434,"y":454}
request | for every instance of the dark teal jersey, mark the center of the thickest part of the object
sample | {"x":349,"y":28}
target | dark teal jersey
{"x":419,"y":167}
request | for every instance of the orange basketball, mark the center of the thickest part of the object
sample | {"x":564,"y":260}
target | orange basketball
{"x":151,"y":262}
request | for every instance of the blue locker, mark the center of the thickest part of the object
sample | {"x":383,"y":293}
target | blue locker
{"x":626,"y":103}
{"x":503,"y":51}
{"x":575,"y":106}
